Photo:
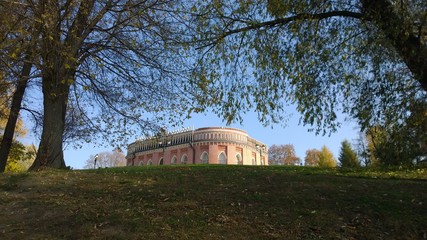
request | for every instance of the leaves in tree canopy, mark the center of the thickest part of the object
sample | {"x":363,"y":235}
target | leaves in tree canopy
{"x":326,"y":158}
{"x":282,"y":155}
{"x":322,"y":57}
{"x":348,"y":157}
{"x":312,"y":157}
{"x":20,"y":156}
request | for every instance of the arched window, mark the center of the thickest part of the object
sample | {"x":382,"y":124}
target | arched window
{"x":184,"y":159}
{"x":161,"y":161}
{"x":205,"y":158}
{"x":150,"y":162}
{"x":239,"y":159}
{"x":222,"y":158}
{"x":141,"y":163}
{"x":173,"y":161}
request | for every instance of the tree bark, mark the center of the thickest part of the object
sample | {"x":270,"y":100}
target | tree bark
{"x":58,"y":73}
{"x":9,"y":131}
{"x":55,"y":96}
{"x":409,"y":46}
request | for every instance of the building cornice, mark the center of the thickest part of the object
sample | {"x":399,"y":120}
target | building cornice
{"x":182,"y":138}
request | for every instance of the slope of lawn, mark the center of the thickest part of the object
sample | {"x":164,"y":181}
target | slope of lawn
{"x":214,"y":202}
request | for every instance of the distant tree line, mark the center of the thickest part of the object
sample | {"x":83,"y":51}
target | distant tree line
{"x":282,"y":155}
{"x":115,"y":158}
{"x":285,"y":155}
{"x":372,"y":149}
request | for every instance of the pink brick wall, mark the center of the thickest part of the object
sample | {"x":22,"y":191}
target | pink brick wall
{"x":213,"y":140}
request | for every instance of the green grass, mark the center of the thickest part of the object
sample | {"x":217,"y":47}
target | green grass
{"x":214,"y":202}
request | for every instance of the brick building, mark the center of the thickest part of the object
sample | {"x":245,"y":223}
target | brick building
{"x":210,"y":145}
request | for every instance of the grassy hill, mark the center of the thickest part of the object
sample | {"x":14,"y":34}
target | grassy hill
{"x":214,"y":202}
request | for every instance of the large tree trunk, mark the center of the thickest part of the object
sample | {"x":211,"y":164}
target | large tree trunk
{"x":401,"y":36}
{"x":9,"y":131}
{"x":55,"y":94}
{"x":58,"y":72}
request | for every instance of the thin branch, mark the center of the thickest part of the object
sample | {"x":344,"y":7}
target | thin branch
{"x":283,"y":21}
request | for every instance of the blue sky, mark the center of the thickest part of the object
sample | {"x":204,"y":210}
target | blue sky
{"x":291,"y":134}
{"x":276,"y":134}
